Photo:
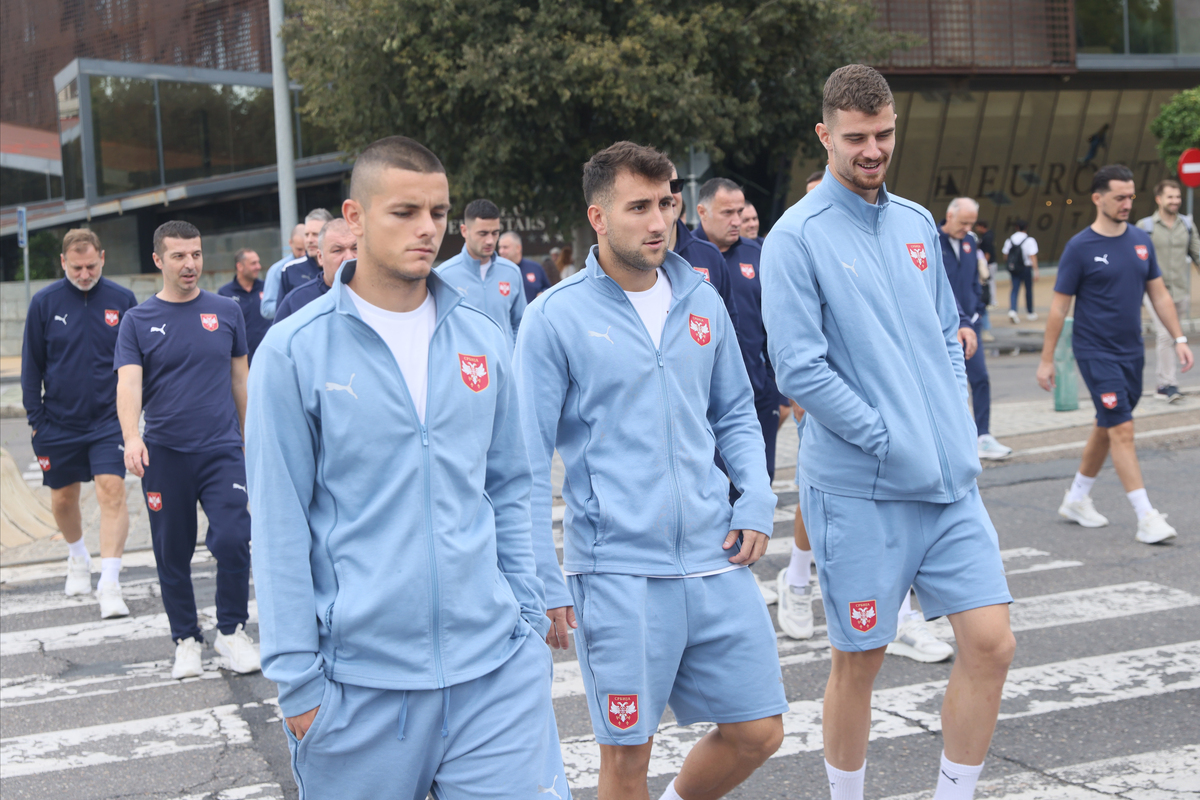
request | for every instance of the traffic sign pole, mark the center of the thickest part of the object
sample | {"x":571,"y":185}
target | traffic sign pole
{"x":23,"y":243}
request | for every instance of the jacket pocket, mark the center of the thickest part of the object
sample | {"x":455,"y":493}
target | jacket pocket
{"x":602,"y":511}
{"x":323,"y":712}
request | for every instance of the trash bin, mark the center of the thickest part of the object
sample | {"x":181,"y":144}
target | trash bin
{"x":1066,"y":385}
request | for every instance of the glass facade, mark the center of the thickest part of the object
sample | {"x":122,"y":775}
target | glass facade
{"x":125,"y":134}
{"x":1131,"y":26}
{"x":70,"y":134}
{"x":212,"y":130}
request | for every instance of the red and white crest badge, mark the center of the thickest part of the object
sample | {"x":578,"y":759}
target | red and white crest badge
{"x":474,"y":372}
{"x":111,"y":317}
{"x":529,"y":276}
{"x":209,"y":321}
{"x":747,"y":270}
{"x":1142,"y":251}
{"x":1109,"y":399}
{"x":623,"y":710}
{"x":703,"y":272}
{"x":966,"y":247}
{"x":505,"y":288}
{"x":154,"y":501}
{"x":863,"y":616}
{"x":917,"y":253}
{"x":44,"y":463}
{"x":699,"y":329}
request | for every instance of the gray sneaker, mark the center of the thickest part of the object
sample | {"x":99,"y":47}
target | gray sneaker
{"x":795,"y":607}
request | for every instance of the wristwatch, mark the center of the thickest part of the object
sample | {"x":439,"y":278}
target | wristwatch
{"x":1180,"y":340}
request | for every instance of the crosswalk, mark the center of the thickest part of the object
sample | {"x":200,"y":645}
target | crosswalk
{"x":56,"y":728}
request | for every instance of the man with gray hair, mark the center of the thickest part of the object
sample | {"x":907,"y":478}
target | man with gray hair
{"x":336,"y":244}
{"x":535,"y":280}
{"x":966,"y":267}
{"x":301,"y":270}
{"x":271,"y":295}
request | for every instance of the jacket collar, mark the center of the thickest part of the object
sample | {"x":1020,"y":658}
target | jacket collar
{"x":471,"y":261}
{"x":74,"y":290}
{"x":445,"y":296}
{"x":684,"y":279}
{"x":863,"y":213}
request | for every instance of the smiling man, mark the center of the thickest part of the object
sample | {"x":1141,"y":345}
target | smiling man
{"x":655,"y":556}
{"x":863,"y":333}
{"x":401,"y":612}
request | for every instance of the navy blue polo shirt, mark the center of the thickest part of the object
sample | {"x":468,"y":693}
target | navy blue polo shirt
{"x":1107,"y":275}
{"x":184,"y":350}
{"x":962,"y":270}
{"x":301,"y":297}
{"x":296,"y":273}
{"x":706,"y":259}
{"x":533,"y":278}
{"x":256,"y":325}
{"x":67,"y":383}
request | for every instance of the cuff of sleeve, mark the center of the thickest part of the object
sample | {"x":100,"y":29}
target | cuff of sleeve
{"x":303,"y":698}
{"x":539,"y":622}
{"x":557,"y":594}
{"x":754,"y":513}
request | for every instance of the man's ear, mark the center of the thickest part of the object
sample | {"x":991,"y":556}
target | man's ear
{"x":596,"y":219}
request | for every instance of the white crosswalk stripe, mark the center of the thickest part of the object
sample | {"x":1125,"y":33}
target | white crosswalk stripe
{"x":259,"y":791}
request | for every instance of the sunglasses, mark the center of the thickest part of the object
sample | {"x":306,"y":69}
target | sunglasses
{"x":676,"y":185}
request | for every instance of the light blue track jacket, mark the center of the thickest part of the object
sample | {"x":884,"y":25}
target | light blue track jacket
{"x":501,"y":294}
{"x":387,"y":553}
{"x":636,"y":428}
{"x":861,"y":329}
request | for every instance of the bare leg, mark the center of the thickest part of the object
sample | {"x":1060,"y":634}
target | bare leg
{"x":1094,"y":452}
{"x":985,"y":649}
{"x":623,"y":771}
{"x":64,"y":503}
{"x":114,"y":516}
{"x":727,"y":756}
{"x":1124,"y":456}
{"x":799,"y":534}
{"x":846,"y":719}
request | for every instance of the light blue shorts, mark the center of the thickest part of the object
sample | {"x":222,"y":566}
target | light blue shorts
{"x":493,"y":737}
{"x":869,"y":552}
{"x":705,"y":646}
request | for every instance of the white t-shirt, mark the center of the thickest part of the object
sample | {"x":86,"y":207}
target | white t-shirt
{"x":407,"y":334}
{"x":1028,"y":246}
{"x":652,"y":306}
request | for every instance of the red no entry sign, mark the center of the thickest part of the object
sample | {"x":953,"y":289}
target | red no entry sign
{"x":1189,"y":167}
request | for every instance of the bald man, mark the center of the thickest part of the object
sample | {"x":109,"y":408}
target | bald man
{"x":336,"y":244}
{"x":270,"y":297}
{"x":534,"y":277}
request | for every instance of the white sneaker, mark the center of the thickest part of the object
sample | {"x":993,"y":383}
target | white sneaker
{"x":79,"y":577}
{"x":915,"y":640}
{"x":1153,"y":528}
{"x":240,"y":649}
{"x":795,"y":607}
{"x":1032,"y":315}
{"x":1083,"y":512}
{"x":768,"y":594}
{"x":989,"y":448}
{"x":187,"y":660}
{"x":111,"y":602}
{"x":1014,"y":316}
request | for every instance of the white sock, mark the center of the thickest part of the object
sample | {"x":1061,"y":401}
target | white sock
{"x":798,"y":567}
{"x":956,"y":781}
{"x":110,"y":570}
{"x":78,"y":549}
{"x":1141,"y":503}
{"x":670,"y":793}
{"x":845,"y":785}
{"x":905,"y":607}
{"x":1080,"y":487}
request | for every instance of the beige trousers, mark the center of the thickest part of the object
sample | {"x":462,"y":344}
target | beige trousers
{"x":1167,"y":367}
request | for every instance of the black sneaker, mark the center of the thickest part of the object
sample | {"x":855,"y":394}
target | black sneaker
{"x":1161,"y":393}
{"x":1173,"y":394}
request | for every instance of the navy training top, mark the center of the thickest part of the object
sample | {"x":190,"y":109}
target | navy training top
{"x":296,"y":273}
{"x":256,"y":324}
{"x":184,"y":350}
{"x":535,"y":280}
{"x":68,"y":351}
{"x":300,"y":297}
{"x":1107,"y":276}
{"x":706,"y":259}
{"x":962,"y":271}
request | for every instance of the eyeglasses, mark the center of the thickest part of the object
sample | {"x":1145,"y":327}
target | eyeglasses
{"x":676,"y":185}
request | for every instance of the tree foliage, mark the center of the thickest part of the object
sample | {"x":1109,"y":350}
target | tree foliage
{"x":514,"y":95}
{"x":1177,"y":127}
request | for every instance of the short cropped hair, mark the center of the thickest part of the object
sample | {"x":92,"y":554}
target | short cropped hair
{"x":1166,"y":183}
{"x":709,"y":189}
{"x":959,"y":202}
{"x":1102,"y":180}
{"x":240,"y":255}
{"x":855,"y":87}
{"x":818,"y":176}
{"x":512,"y":235}
{"x":481,"y":209}
{"x":983,"y":223}
{"x":397,"y":152}
{"x":80,"y":239}
{"x":175,"y":229}
{"x":601,"y":170}
{"x":335,"y":224}
{"x":1021,"y":224}
{"x":318,"y":213}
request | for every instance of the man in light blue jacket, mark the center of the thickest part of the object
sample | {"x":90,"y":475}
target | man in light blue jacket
{"x":863,"y":332}
{"x":631,"y":369}
{"x":490,"y":282}
{"x":399,"y":606}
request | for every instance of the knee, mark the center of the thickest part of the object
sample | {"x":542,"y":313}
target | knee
{"x":992,"y":652}
{"x":758,"y":740}
{"x":1122,"y":433}
{"x":110,"y":494}
{"x":856,"y":666}
{"x":627,"y":759}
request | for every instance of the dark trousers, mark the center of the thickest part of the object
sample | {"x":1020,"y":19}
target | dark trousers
{"x":1024,"y":276}
{"x":768,"y":420}
{"x":981,"y":387}
{"x":174,"y":481}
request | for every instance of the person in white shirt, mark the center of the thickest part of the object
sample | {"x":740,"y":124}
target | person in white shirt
{"x":1023,"y":266}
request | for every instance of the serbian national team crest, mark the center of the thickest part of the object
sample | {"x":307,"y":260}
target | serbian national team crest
{"x":1109,"y":399}
{"x":703,"y":272}
{"x":529,"y":276}
{"x":747,"y":270}
{"x":505,"y":288}
{"x":1142,"y":251}
{"x":154,"y":500}
{"x":917,"y":253}
{"x":623,"y":710}
{"x":209,"y":321}
{"x":862,"y":615}
{"x":111,"y":317}
{"x":966,"y":247}
{"x":700,"y":330}
{"x":260,"y":294}
{"x":474,"y":372}
{"x":44,"y":463}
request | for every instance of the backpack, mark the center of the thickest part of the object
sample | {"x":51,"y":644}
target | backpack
{"x":1016,"y":255}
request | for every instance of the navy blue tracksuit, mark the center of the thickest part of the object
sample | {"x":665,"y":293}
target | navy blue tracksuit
{"x":256,"y":324}
{"x":195,"y":449}
{"x":535,"y":280}
{"x":300,"y":297}
{"x":296,"y":273}
{"x":706,"y":259}
{"x":68,"y":353}
{"x":963,"y":272}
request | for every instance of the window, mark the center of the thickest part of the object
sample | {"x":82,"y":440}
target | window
{"x":125,"y":134}
{"x":1126,"y":26}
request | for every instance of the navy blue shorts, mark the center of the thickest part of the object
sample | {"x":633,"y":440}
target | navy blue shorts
{"x":1116,"y":387}
{"x":65,"y":463}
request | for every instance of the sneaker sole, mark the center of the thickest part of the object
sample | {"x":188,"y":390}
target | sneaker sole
{"x":224,"y":651}
{"x":123,"y":611}
{"x":902,"y":649}
{"x":1159,"y":540}
{"x":81,"y":592}
{"x":989,"y":457}
{"x":188,"y":674}
{"x":1174,"y":398}
{"x":1085,"y":523}
{"x":796,"y":633}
